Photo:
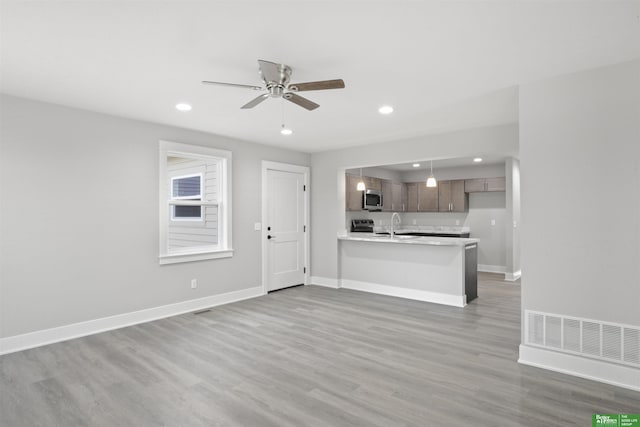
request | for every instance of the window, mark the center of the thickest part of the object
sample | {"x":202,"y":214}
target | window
{"x":195,"y":203}
{"x":187,"y":187}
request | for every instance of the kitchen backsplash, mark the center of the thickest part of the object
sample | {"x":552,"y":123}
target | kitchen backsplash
{"x":410,"y":218}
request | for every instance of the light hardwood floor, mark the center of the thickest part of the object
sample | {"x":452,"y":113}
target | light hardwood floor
{"x":306,"y":356}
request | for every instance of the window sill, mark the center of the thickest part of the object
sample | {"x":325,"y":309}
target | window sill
{"x":194,"y":256}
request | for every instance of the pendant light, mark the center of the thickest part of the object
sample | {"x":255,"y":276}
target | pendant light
{"x":431,"y":181}
{"x":360,"y":186}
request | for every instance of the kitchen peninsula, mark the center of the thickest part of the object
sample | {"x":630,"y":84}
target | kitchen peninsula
{"x":435,"y":269}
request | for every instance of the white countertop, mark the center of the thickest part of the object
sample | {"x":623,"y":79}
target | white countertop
{"x":423,"y":229}
{"x":408,"y":240}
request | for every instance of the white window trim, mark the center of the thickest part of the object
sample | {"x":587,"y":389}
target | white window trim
{"x":224,"y":248}
{"x":182,"y":200}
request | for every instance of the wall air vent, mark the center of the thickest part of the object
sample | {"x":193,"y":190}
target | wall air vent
{"x":586,"y":337}
{"x":553,"y":331}
{"x":631,"y":347}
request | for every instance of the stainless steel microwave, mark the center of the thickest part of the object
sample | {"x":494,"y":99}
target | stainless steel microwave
{"x":372,"y":200}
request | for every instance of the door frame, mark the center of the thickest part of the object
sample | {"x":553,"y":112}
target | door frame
{"x":285,"y":167}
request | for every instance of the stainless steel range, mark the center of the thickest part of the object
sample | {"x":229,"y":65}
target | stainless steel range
{"x":362,"y":226}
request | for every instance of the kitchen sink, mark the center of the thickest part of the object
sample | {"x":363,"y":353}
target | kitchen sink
{"x":396,"y":237}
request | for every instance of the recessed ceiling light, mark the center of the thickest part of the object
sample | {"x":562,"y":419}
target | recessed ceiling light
{"x":477,"y":159}
{"x":416,"y":165}
{"x":183,"y":107}
{"x":286,"y":131}
{"x":385,"y":109}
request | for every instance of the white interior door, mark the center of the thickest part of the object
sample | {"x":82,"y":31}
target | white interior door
{"x":285,"y":229}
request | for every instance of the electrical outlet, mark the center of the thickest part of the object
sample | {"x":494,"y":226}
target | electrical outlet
{"x":493,"y":222}
{"x":194,"y":283}
{"x":414,"y":222}
{"x":515,"y":225}
{"x":457,"y":222}
{"x":257,"y":226}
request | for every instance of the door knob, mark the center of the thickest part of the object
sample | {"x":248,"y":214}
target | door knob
{"x":270,"y":237}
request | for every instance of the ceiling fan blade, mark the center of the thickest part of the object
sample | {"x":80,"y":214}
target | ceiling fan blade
{"x":207,"y":82}
{"x":299,"y":100}
{"x":271,"y":72}
{"x":321,"y":85}
{"x":255,"y":101}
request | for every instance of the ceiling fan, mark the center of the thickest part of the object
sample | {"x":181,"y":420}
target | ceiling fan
{"x":276,"y":78}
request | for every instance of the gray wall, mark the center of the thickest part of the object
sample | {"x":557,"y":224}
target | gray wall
{"x":580,"y":163}
{"x":483,"y":209}
{"x":460,"y":172}
{"x":512,"y":227}
{"x":328,"y":187}
{"x":79,"y":224}
{"x":378,"y":172}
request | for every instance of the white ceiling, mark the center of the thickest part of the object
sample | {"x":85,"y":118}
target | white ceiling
{"x":459,"y":162}
{"x":442,"y":65}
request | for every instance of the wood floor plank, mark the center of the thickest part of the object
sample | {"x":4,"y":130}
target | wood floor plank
{"x":306,"y":356}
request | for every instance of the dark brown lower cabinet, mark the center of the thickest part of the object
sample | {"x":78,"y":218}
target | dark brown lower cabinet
{"x":471,"y":271}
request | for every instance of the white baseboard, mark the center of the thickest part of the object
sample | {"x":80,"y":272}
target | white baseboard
{"x":512,"y":277}
{"x":591,"y":369}
{"x":488,"y":268}
{"x":325,"y":281}
{"x":90,"y":327}
{"x":436,"y":297}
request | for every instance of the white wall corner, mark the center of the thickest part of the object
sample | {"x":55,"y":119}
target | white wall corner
{"x":512,"y":277}
{"x":591,"y":369}
{"x":325,"y":281}
{"x":487,"y":268}
{"x":90,"y":327}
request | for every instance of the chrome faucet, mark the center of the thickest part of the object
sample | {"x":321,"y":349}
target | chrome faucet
{"x":393,"y":217}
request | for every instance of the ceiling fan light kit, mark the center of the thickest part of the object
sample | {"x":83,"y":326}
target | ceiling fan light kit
{"x":276,"y":79}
